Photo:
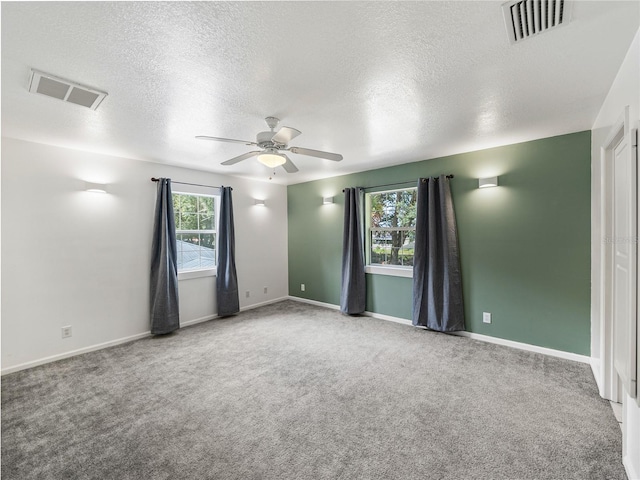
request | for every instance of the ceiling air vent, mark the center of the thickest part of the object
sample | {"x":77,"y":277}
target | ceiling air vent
{"x":526,"y":18}
{"x":65,"y":90}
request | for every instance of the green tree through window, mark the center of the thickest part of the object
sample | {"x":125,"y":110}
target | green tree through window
{"x":392,"y":227}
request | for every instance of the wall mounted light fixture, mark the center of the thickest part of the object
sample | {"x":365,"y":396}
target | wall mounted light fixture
{"x":261,"y":203}
{"x":95,"y":187}
{"x":488,"y":182}
{"x":327,"y":200}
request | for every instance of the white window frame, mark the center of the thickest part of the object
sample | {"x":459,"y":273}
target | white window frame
{"x":378,"y":269}
{"x":200,"y":272}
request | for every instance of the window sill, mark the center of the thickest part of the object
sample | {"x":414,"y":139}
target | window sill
{"x":391,"y":271}
{"x":189,"y":274}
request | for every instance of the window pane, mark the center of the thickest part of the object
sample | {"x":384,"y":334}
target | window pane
{"x":176,"y":203}
{"x":191,"y":238}
{"x":207,"y":251}
{"x":189,"y":221}
{"x":379,"y":248}
{"x":205,"y":205}
{"x":195,"y":250}
{"x":208,"y":240}
{"x":188,"y":203}
{"x":393,"y":211}
{"x":392,"y":247}
{"x":206,"y":222}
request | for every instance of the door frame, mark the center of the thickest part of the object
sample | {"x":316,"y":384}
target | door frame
{"x":610,"y":385}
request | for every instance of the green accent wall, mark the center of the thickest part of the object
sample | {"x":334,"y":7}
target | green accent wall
{"x":524,"y":245}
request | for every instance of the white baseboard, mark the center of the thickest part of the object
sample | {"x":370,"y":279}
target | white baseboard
{"x":73,"y":353}
{"x":195,"y":321}
{"x":262,"y":304}
{"x":526,"y":346}
{"x":118,"y":341}
{"x":632,"y":474}
{"x":404,"y":321}
{"x":314,"y":302}
{"x":595,"y":369}
{"x":475,"y":336}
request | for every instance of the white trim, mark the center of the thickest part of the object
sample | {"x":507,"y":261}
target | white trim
{"x":119,"y":341}
{"x":609,"y":385}
{"x":406,"y":272}
{"x":597,"y":375}
{"x":628,"y":466}
{"x":380,"y":316}
{"x":474,"y":336}
{"x":73,"y":353}
{"x":195,"y":321}
{"x":189,"y":274}
{"x":262,"y":304}
{"x":314,"y":302}
{"x":389,"y":318}
{"x":526,"y":346}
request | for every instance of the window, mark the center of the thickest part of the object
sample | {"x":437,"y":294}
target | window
{"x":391,"y":227}
{"x":195,"y":219}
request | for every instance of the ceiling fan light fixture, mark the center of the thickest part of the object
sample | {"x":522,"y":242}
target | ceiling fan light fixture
{"x":271,"y":143}
{"x":271,"y":159}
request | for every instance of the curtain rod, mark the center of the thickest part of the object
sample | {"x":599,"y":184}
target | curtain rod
{"x":398,"y":183}
{"x":154,"y":179}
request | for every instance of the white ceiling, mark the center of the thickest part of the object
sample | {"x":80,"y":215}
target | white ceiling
{"x":382,"y":83}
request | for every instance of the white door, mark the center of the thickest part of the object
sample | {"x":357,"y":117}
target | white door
{"x":625,"y":238}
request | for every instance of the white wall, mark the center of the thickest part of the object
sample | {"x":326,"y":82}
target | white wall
{"x":624,"y":91}
{"x":71,"y":257}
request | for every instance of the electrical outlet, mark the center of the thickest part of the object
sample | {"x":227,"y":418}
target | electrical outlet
{"x":247,"y":294}
{"x":265,"y":290}
{"x":486,"y":317}
{"x":66,"y":331}
{"x":302,"y":287}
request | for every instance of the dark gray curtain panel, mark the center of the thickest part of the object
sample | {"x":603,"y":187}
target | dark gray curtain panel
{"x":165,"y":317}
{"x":226,"y":279}
{"x":437,"y":282}
{"x":353,"y":293}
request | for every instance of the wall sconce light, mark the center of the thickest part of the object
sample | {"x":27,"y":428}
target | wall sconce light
{"x":261,"y":203}
{"x":327,"y":200}
{"x":488,"y":182}
{"x":95,"y":187}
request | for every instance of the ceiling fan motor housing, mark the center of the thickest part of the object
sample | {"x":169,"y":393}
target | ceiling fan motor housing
{"x":264,"y":140}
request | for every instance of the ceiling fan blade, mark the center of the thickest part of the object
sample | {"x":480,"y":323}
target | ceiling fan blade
{"x":230,"y":140}
{"x":336,"y":157}
{"x":289,"y":166}
{"x":239,"y":158}
{"x":285,"y":135}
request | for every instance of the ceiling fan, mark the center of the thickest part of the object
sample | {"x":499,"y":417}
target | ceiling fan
{"x":273,"y":144}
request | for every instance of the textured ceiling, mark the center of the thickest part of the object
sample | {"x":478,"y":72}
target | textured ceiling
{"x":382,"y":83}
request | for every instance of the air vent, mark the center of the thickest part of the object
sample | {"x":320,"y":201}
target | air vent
{"x":65,"y":90}
{"x":526,"y":18}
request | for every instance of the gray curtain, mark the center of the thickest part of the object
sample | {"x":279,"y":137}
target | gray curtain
{"x":165,"y":317}
{"x":353,"y":294}
{"x":437,"y":283}
{"x":226,"y":278}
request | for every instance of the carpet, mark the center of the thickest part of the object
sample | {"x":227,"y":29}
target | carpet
{"x":294,"y":391}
